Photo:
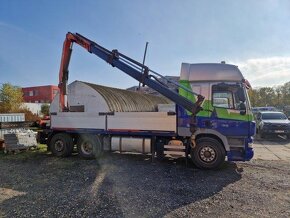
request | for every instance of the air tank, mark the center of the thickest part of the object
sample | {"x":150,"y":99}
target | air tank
{"x":130,"y":144}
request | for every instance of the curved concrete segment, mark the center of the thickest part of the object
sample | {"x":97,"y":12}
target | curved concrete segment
{"x":99,"y":98}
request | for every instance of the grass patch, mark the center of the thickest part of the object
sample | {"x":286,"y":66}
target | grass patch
{"x":37,"y":152}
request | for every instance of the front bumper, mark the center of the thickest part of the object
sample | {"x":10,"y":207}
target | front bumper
{"x":243,"y":153}
{"x":275,"y":131}
{"x":240,"y":155}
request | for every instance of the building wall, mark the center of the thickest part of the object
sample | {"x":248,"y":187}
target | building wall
{"x":35,"y":108}
{"x":39,"y":94}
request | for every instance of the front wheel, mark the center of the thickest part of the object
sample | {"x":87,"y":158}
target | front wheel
{"x":208,"y":153}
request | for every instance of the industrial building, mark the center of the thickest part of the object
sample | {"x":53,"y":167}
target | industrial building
{"x":39,"y":94}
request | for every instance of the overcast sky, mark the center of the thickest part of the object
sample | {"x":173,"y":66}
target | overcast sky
{"x":253,"y":34}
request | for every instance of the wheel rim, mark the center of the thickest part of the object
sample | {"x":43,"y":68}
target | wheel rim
{"x":59,"y":145}
{"x":207,"y":154}
{"x":87,"y":148}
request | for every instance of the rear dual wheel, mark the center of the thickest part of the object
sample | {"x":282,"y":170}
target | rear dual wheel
{"x":61,"y":145}
{"x":89,"y":146}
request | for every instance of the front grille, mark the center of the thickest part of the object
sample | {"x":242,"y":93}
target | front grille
{"x":278,"y":126}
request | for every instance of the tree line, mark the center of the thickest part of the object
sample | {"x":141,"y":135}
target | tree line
{"x":277,"y":96}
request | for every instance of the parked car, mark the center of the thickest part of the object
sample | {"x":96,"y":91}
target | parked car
{"x":256,"y":110}
{"x":267,"y":108}
{"x":272,"y":123}
{"x":286,"y":110}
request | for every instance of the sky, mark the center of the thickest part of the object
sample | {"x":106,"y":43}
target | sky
{"x":252,"y":34}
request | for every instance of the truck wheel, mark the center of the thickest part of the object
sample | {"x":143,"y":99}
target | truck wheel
{"x":89,"y":146}
{"x":61,"y":145}
{"x":208,"y":153}
{"x":159,"y":147}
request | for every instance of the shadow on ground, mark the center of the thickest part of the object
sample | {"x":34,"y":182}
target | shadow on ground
{"x":118,"y":185}
{"x":272,"y":140}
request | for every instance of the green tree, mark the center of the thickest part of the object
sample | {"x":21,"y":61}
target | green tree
{"x":11,"y":98}
{"x":278,"y":96}
{"x":267,"y":96}
{"x":278,"y":100}
{"x":285,"y":93}
{"x":45,"y":109}
{"x":254,"y":97}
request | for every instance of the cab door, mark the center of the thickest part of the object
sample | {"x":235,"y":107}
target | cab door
{"x":228,"y":109}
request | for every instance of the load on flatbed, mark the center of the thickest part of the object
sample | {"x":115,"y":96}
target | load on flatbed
{"x":110,"y":110}
{"x":210,"y":117}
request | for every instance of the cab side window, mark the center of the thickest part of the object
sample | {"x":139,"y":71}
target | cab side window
{"x":227,"y":96}
{"x":223,"y":99}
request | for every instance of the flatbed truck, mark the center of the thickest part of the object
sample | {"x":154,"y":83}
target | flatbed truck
{"x":211,"y":121}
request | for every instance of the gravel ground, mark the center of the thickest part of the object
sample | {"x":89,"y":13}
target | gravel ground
{"x":122,"y":185}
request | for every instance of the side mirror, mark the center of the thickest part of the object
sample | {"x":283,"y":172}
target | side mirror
{"x":241,"y":94}
{"x":242,"y":108}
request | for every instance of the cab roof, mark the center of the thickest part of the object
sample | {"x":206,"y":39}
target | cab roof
{"x":210,"y":72}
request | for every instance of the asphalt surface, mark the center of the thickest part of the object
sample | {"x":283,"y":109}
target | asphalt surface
{"x":272,"y":149}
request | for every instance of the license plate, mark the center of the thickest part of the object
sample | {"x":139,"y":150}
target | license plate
{"x":279,"y":131}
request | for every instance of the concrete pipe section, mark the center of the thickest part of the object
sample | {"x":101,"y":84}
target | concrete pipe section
{"x":97,"y":98}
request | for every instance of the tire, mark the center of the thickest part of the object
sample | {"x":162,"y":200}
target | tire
{"x":208,"y":153}
{"x":61,"y":145}
{"x":89,"y":146}
{"x":262,"y":135}
{"x":159,"y":147}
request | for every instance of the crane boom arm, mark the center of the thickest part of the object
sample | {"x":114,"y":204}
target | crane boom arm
{"x":129,"y":66}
